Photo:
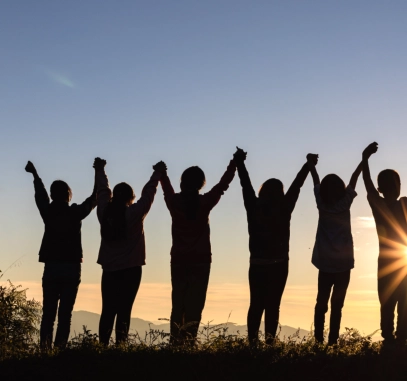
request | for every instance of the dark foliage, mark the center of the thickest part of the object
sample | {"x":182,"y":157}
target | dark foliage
{"x":216,"y":356}
{"x":19,"y":320}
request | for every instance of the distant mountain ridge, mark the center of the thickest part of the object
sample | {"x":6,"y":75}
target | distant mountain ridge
{"x":91,"y":321}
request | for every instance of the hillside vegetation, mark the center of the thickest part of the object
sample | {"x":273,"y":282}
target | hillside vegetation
{"x":217,"y":356}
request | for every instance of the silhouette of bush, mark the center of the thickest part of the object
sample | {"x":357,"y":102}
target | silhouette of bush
{"x":19,"y":319}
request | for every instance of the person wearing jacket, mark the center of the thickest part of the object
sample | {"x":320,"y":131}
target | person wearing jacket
{"x":268,"y":218}
{"x":191,"y":254}
{"x":122,"y":250}
{"x":61,"y":253}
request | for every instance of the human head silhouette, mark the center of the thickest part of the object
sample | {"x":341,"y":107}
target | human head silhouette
{"x":60,"y":191}
{"x":193,"y":179}
{"x":123,"y":194}
{"x":272,"y":189}
{"x":332,"y":189}
{"x":389,"y":183}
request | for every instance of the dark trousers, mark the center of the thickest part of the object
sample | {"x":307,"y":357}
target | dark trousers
{"x":189,"y":286}
{"x":392,"y":289}
{"x":326,"y":281}
{"x":60,"y":283}
{"x":267,"y":283}
{"x":119,"y":289}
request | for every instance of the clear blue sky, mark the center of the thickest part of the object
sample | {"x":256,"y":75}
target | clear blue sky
{"x":136,"y":82}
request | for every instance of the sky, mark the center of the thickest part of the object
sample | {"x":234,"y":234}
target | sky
{"x":136,"y":82}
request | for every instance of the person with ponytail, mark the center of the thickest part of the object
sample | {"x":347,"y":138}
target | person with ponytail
{"x":122,"y":249}
{"x":191,"y":254}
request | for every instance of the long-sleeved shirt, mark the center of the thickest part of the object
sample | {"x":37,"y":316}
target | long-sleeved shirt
{"x":333,"y":249}
{"x":268,"y":222}
{"x":191,"y":237}
{"x":129,"y":252}
{"x":62,"y":236}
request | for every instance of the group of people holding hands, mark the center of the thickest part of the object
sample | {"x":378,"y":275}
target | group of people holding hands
{"x":122,"y":249}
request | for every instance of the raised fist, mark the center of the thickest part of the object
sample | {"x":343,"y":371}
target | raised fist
{"x":30,"y":167}
{"x":99,"y":163}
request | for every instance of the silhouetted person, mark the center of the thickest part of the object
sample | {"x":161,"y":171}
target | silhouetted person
{"x":61,"y":251}
{"x":389,"y":213}
{"x":191,"y":255}
{"x":122,"y":249}
{"x":333,"y":249}
{"x":268,"y":218}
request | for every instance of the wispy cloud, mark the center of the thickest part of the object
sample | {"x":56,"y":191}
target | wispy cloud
{"x":60,"y":79}
{"x":363,"y":223}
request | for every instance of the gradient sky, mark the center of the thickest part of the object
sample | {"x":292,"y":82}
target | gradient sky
{"x":136,"y":82}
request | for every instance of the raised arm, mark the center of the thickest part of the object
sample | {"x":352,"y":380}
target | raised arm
{"x":167,"y":187}
{"x":249,"y":195}
{"x":83,"y":210}
{"x":214,"y":195}
{"x":367,"y":179}
{"x":103,"y":191}
{"x":294,"y":191}
{"x":142,"y":206}
{"x":30,"y":168}
{"x":355,"y":175}
{"x":41,"y":196}
{"x":311,"y":165}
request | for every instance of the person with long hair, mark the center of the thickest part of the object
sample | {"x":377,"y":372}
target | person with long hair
{"x":268,"y":218}
{"x":191,"y":254}
{"x":61,"y":253}
{"x":122,"y":250}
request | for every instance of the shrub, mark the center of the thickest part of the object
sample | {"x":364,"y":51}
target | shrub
{"x":19,"y":320}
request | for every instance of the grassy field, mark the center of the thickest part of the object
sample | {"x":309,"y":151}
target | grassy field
{"x":218,"y":356}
